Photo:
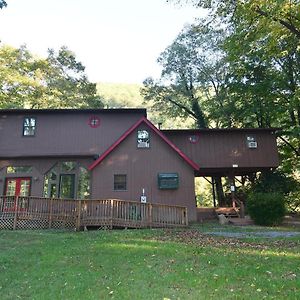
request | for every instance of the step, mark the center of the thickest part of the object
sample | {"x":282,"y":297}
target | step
{"x":241,"y":222}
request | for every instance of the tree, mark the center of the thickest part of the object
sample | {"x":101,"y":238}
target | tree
{"x":192,"y":78}
{"x":265,"y":71}
{"x":193,"y":71}
{"x":263,"y":85}
{"x":284,"y":13}
{"x":3,"y":4}
{"x":57,"y":81}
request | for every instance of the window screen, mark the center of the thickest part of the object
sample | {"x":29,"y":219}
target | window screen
{"x":120,"y":182}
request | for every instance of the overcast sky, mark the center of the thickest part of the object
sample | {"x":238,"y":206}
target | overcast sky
{"x":117,"y":40}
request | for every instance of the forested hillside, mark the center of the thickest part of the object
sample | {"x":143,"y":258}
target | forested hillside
{"x":116,"y":95}
{"x":127,"y":95}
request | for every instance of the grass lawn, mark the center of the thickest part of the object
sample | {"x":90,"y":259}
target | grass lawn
{"x":147,"y":264}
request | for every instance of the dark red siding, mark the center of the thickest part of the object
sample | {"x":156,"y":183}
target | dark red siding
{"x":223,"y":149}
{"x":142,"y":167}
{"x":63,"y":134}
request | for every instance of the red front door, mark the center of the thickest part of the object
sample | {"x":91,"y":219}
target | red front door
{"x":16,"y":187}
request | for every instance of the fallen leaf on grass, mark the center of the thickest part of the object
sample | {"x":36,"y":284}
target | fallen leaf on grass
{"x":195,"y":237}
{"x":289,"y":275}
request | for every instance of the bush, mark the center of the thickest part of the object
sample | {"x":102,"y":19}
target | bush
{"x":266,"y":208}
{"x":278,"y":182}
{"x":292,"y":201}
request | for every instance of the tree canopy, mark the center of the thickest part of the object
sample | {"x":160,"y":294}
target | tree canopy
{"x":240,"y":65}
{"x":58,"y":81}
{"x":193,"y":70}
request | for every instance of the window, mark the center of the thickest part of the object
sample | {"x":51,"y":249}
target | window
{"x":68,"y":166}
{"x":193,"y":139}
{"x":143,"y":139}
{"x":83,"y":191}
{"x":251,"y":142}
{"x":94,"y":122}
{"x":20,"y":169}
{"x":168,"y":181}
{"x":29,"y":126}
{"x":67,"y":180}
{"x":67,"y":186}
{"x":50,"y":185}
{"x":120,"y":182}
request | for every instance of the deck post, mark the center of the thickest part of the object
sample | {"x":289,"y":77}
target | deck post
{"x":16,"y":212}
{"x":50,"y":213}
{"x":213,"y":191}
{"x":150,"y":215}
{"x":78,"y":215}
{"x":111,"y":212}
{"x":186,"y":216}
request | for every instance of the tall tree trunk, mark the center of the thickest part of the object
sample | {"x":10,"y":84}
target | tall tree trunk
{"x":220,"y":191}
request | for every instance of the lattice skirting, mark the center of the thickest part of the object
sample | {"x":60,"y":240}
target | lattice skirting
{"x":63,"y":224}
{"x":8,"y":223}
{"x":32,"y":224}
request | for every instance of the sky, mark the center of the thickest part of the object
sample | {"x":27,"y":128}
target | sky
{"x":116,"y":40}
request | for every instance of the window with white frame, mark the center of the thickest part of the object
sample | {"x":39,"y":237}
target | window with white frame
{"x":29,"y":126}
{"x":143,"y":139}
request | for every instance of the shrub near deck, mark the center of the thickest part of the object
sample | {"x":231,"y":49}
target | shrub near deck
{"x":266,"y":208}
{"x":142,"y":264}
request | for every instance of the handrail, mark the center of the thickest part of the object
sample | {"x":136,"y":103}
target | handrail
{"x":241,"y":206}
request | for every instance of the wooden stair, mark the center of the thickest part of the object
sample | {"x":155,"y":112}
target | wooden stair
{"x":228,"y":212}
{"x":241,"y":221}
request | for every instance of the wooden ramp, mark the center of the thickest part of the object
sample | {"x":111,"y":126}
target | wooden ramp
{"x":40,"y":213}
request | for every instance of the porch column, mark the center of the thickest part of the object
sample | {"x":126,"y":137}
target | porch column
{"x":232,"y":189}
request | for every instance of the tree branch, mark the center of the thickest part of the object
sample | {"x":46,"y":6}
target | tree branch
{"x":287,"y":25}
{"x":297,"y":152}
{"x":183,"y":107}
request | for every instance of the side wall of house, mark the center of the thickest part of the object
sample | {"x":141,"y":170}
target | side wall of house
{"x":60,"y":134}
{"x":141,"y":167}
{"x":222,"y":149}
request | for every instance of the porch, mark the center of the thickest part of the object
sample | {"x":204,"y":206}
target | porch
{"x":18,"y":212}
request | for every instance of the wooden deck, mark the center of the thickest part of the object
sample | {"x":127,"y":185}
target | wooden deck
{"x":40,"y":213}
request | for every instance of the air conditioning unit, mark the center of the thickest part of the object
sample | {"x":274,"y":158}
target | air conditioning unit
{"x":252,"y":145}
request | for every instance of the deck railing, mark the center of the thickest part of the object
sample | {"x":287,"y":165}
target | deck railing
{"x":35,"y":212}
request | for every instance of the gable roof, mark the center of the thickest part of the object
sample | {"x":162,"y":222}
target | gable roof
{"x":194,"y":165}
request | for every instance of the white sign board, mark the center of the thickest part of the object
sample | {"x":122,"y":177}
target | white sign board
{"x":143,"y":199}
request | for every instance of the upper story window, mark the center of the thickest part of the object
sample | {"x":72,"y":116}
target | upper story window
{"x":193,"y":139}
{"x":94,"y":122}
{"x":143,"y":139}
{"x":251,"y":142}
{"x":29,"y":126}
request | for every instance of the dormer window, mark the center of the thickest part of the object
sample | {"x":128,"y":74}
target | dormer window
{"x":29,"y":126}
{"x":143,"y":139}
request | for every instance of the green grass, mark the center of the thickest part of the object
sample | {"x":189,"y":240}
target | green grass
{"x":145,"y":264}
